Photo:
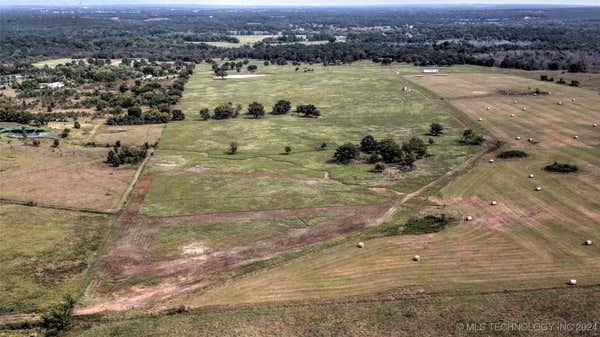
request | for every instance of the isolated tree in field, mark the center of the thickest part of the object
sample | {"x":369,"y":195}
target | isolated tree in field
{"x":379,"y":167}
{"x":389,"y":150}
{"x":224,"y":111}
{"x":252,"y":68}
{"x":368,"y":144}
{"x":281,"y":107}
{"x":346,"y":153}
{"x":204,"y":114}
{"x":436,"y":129}
{"x":256,"y":110}
{"x":288,"y":149}
{"x":76,"y":125}
{"x":177,"y":115}
{"x":417,"y":146}
{"x":233,"y":148}
{"x":308,"y":110}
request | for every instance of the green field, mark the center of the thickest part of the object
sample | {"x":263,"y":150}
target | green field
{"x":434,"y":316}
{"x":44,"y":254}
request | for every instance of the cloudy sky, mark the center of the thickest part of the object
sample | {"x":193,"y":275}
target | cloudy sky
{"x":293,"y":2}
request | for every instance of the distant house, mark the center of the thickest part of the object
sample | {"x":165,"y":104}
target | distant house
{"x":148,"y":77}
{"x":431,"y":70}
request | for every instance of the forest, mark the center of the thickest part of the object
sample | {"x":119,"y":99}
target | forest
{"x":524,"y":38}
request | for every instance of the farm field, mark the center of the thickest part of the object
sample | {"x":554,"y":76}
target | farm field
{"x":45,"y":253}
{"x":193,"y":190}
{"x":66,"y":176}
{"x":127,"y":134}
{"x":426,"y":316}
{"x":530,"y":239}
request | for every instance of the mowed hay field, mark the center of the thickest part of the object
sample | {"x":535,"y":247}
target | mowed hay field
{"x":44,"y":254}
{"x":67,"y":176}
{"x":531,"y":239}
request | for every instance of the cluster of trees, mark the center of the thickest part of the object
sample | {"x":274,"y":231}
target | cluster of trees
{"x":221,"y":70}
{"x":470,"y":137}
{"x":385,"y":151}
{"x":257,"y":110}
{"x":546,"y":78}
{"x":123,"y":154}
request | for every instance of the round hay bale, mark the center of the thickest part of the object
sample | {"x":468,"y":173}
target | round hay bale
{"x":530,"y":176}
{"x":524,"y":109}
{"x":572,"y":282}
{"x":489,"y":108}
{"x":538,"y":188}
{"x":512,"y":115}
{"x":494,"y":203}
{"x":575,"y":137}
{"x":480,"y":119}
{"x":518,"y":138}
{"x":559,"y":102}
{"x":416,"y":258}
{"x":530,"y":139}
{"x":469,"y":218}
{"x":516,"y":101}
{"x":572,"y":99}
{"x":360,"y":245}
{"x":491,"y":160}
{"x":594,"y":125}
{"x":588,"y":242}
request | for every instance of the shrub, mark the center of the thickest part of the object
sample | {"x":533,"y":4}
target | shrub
{"x":59,"y":317}
{"x":177,"y":115}
{"x":512,"y":154}
{"x":368,"y":144}
{"x":471,"y":138}
{"x":225,"y":111}
{"x":36,"y":142}
{"x":417,"y":146}
{"x":427,"y":224}
{"x":124,"y":154}
{"x":233,"y":148}
{"x":379,"y":167}
{"x":561,"y":168}
{"x":204,"y":114}
{"x":308,"y":110}
{"x":281,"y":107}
{"x":256,"y":110}
{"x":436,"y":129}
{"x":56,"y":142}
{"x":346,"y":153}
{"x":65,"y":133}
{"x":287,"y":149}
{"x":77,"y":125}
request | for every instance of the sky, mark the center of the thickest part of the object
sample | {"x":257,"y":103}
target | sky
{"x":249,"y":3}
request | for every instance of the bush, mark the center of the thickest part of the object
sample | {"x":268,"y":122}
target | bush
{"x":562,"y":168}
{"x":204,"y":114}
{"x":281,"y":107}
{"x":177,"y":115}
{"x":36,"y":142}
{"x":379,"y":167}
{"x":59,"y":317}
{"x":308,"y":110}
{"x":77,"y":125}
{"x":56,"y":142}
{"x":471,"y":138}
{"x":368,"y":144}
{"x":287,"y":149}
{"x":346,"y":153}
{"x":512,"y":154}
{"x":436,"y":129}
{"x":233,"y":148}
{"x":225,"y":111}
{"x":427,"y":224}
{"x":65,"y":133}
{"x":256,"y":110}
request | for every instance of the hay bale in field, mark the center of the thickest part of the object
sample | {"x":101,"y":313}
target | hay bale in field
{"x":360,"y":244}
{"x":489,"y":108}
{"x":588,"y":242}
{"x":416,"y":258}
{"x":575,"y":137}
{"x":518,"y":138}
{"x":491,"y":160}
{"x":573,"y":99}
{"x":480,"y":119}
{"x":516,"y":101}
{"x":538,"y":188}
{"x":530,"y":139}
{"x":494,"y":203}
{"x":572,"y":282}
{"x":469,"y":218}
{"x":559,"y":102}
{"x":512,"y":115}
{"x":594,"y":125}
{"x":524,"y":109}
{"x":530,"y":176}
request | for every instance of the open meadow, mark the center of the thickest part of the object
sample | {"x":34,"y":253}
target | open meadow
{"x":529,"y":239}
{"x":44,"y":254}
{"x":172,"y":235}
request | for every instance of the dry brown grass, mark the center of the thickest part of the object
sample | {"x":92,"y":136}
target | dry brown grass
{"x":67,"y":176}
